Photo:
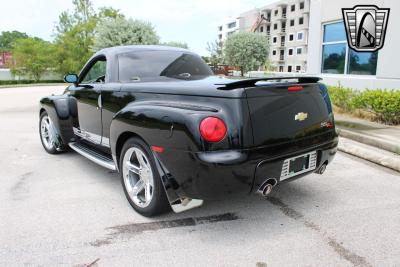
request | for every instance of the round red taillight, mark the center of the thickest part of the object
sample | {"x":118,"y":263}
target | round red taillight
{"x":212,"y":129}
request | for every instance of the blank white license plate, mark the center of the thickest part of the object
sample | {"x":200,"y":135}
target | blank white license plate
{"x":298,"y":165}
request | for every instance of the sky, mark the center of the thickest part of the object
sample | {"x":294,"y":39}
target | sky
{"x":192,"y":21}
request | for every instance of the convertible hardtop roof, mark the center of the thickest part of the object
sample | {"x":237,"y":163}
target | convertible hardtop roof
{"x":135,"y":48}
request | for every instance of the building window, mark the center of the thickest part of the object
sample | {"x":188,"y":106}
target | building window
{"x":290,"y":52}
{"x":333,"y":58}
{"x":292,"y":8}
{"x":334,"y":32}
{"x":232,"y":25}
{"x":220,"y":28}
{"x":280,"y":68}
{"x":298,"y":68}
{"x":275,"y":26}
{"x":292,"y":22}
{"x":220,"y":36}
{"x":289,"y":68}
{"x":301,"y":21}
{"x":300,"y":36}
{"x":338,"y":58}
{"x":301,"y":5}
{"x":274,"y":39}
{"x":261,"y":29}
{"x":361,"y":63}
{"x":276,"y":12}
{"x":291,"y":37}
{"x":299,"y":50}
{"x":274,"y":52}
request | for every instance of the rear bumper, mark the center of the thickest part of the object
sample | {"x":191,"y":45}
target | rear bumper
{"x":213,"y":175}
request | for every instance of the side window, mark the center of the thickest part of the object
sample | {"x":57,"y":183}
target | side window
{"x":96,"y":73}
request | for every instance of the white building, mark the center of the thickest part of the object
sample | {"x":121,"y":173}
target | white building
{"x":227,"y":27}
{"x":335,"y":62}
{"x":285,"y":25}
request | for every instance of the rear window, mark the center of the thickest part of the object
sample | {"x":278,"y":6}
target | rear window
{"x":150,"y":65}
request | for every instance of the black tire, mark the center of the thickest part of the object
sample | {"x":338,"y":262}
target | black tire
{"x":49,"y":149}
{"x":159,"y":202}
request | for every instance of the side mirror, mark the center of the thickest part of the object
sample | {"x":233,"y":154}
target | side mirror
{"x":71,"y":78}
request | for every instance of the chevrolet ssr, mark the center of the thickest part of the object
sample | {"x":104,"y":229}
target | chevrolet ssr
{"x":179,"y":135}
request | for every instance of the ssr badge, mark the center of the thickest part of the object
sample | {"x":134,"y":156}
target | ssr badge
{"x":365,"y":27}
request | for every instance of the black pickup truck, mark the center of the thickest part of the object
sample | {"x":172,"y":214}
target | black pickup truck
{"x":179,"y":135}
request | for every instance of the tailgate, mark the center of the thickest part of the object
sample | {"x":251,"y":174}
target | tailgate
{"x":289,"y":112}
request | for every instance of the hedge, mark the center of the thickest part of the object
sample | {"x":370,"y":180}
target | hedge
{"x":384,"y":104}
{"x":10,"y":82}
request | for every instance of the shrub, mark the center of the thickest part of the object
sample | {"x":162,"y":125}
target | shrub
{"x":342,"y":97}
{"x":12,"y":82}
{"x":384,"y":104}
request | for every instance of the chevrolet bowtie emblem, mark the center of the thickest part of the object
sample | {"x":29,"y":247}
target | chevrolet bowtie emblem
{"x":300,"y":116}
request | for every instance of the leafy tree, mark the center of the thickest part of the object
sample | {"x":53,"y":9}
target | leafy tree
{"x":75,"y":33}
{"x":216,"y":52}
{"x":32,"y":57}
{"x":176,"y":44}
{"x":9,"y":39}
{"x":109,"y":12}
{"x":122,"y":31}
{"x":247,"y":50}
{"x":74,"y":36}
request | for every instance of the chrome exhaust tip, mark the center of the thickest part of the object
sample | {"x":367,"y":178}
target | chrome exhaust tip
{"x":321,"y":169}
{"x":266,"y":188}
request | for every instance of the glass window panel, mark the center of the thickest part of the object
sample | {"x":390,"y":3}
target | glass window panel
{"x":362,"y":63}
{"x":300,"y":36}
{"x":333,"y":58}
{"x":334,"y":32}
{"x":97,"y":72}
{"x":149,"y":65}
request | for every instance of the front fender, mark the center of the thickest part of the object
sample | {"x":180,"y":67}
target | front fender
{"x":62,"y":110}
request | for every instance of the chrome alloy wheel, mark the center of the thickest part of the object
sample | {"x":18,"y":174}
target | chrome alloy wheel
{"x":138,"y":177}
{"x":48,"y":133}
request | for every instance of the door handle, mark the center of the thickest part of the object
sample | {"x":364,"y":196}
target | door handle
{"x":99,"y":102}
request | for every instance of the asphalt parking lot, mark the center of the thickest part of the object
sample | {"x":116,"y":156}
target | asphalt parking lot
{"x":64,"y":210}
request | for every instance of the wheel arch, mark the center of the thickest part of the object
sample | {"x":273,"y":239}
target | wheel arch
{"x":122,"y":138}
{"x":42,"y":110}
{"x":59,"y":110}
{"x":119,"y":144}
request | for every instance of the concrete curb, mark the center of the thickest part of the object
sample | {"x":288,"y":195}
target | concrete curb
{"x":368,"y":140}
{"x":373,"y":154}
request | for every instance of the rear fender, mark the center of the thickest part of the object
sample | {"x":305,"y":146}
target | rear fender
{"x":171,"y":125}
{"x":175,"y":125}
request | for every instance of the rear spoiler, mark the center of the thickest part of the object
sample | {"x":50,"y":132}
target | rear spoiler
{"x":252,"y":82}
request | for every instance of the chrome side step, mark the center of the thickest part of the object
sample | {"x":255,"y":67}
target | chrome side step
{"x":93,"y":155}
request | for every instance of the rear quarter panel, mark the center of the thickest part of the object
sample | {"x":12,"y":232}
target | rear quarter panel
{"x":172,"y":121}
